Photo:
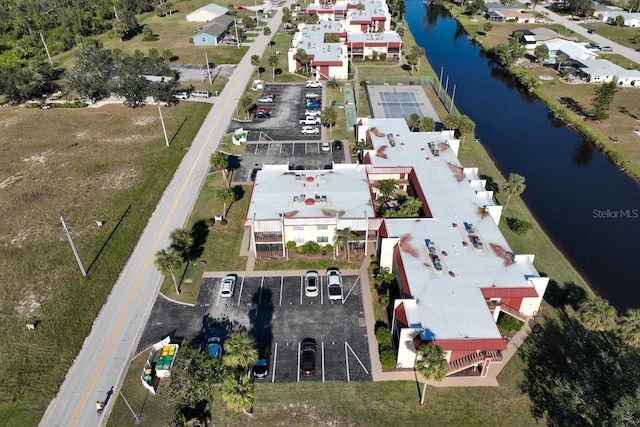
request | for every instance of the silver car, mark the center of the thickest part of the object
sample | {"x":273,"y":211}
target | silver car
{"x":228,"y":285}
{"x":311,"y":284}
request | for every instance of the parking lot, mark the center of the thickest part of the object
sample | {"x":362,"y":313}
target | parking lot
{"x":276,"y":311}
{"x":307,"y":155}
{"x":288,"y":107}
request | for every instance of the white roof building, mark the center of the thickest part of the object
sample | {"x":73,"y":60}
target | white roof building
{"x":455,"y":269}
{"x":599,"y":70}
{"x":573,"y":51}
{"x":206,"y":13}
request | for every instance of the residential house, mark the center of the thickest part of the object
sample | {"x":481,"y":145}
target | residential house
{"x":628,"y":78}
{"x":598,"y":70}
{"x":207,"y":13}
{"x":573,"y":51}
{"x":629,"y":19}
{"x":214,"y":32}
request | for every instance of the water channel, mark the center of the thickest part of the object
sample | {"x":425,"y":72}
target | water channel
{"x":589,"y":208}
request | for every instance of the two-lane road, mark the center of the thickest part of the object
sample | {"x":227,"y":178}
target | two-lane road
{"x":105,"y":355}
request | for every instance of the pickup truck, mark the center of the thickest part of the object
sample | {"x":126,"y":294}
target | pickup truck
{"x":308,"y":120}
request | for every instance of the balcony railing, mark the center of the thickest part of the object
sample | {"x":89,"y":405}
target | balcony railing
{"x":268,"y":239}
{"x":272,"y":254}
{"x":473,"y":360}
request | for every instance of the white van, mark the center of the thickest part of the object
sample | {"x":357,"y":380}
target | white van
{"x":200,"y":94}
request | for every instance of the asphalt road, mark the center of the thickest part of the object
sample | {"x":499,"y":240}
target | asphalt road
{"x":104,"y":358}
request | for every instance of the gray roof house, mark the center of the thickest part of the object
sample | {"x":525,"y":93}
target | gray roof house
{"x":214,"y":32}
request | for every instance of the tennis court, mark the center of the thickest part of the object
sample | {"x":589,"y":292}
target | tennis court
{"x":399,"y":102}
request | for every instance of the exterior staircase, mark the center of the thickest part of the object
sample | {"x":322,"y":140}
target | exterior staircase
{"x":473,"y":360}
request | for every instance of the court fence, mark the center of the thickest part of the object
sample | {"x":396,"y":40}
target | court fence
{"x":440,"y":91}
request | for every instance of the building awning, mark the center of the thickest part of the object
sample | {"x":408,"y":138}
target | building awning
{"x":498,"y":292}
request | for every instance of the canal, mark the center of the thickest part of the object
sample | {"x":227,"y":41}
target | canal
{"x":588,"y":207}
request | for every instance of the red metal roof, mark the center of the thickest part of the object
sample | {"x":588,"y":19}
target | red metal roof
{"x":497,"y":292}
{"x":401,"y":316}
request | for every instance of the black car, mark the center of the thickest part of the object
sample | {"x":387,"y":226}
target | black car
{"x":261,"y":115}
{"x":308,"y":356}
{"x":337,"y":144}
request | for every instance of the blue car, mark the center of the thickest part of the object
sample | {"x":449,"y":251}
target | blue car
{"x":313,"y":105}
{"x":214,"y":346}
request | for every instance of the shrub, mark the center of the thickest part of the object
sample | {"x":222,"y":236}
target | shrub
{"x":373,"y":269}
{"x":310,"y":248}
{"x":291,"y":245}
{"x":209,"y":222}
{"x":519,"y":226}
{"x":387,"y":358}
{"x":383,"y":335}
{"x":328,"y":247}
{"x":509,"y":323}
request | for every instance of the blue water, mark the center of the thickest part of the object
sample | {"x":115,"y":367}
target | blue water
{"x":589,"y":208}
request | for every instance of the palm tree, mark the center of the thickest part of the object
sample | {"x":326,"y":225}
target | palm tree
{"x":427,"y":124}
{"x":225,"y":196}
{"x":220,"y":161}
{"x":245,"y":103}
{"x":452,"y":121}
{"x":343,"y":237}
{"x":418,"y":52}
{"x":387,"y":187}
{"x":629,"y":327}
{"x":466,"y":127}
{"x":303,"y":59}
{"x":334,"y":83}
{"x":514,"y":186}
{"x":329,"y":117}
{"x":410,"y":207}
{"x":255,"y":61}
{"x":238,"y":393}
{"x":274,"y":60}
{"x":432,"y":364}
{"x":168,"y":261}
{"x":560,"y":59}
{"x":597,"y":314}
{"x":182,"y":240}
{"x":413,"y":121}
{"x":240,"y":351}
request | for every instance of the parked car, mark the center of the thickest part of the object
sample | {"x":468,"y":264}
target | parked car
{"x":591,"y":31}
{"x":265,"y":99}
{"x":606,"y":49}
{"x":326,"y":146}
{"x":313,"y":84}
{"x":232,"y":41}
{"x":310,"y":130}
{"x":261,"y":115}
{"x":214,"y":345}
{"x":311,"y":283}
{"x":228,"y":285}
{"x":200,"y":94}
{"x":313,"y":104}
{"x":312,"y":95}
{"x":261,"y":369}
{"x":309,"y":120}
{"x":337,"y":144}
{"x":261,"y":110}
{"x":313,"y":113}
{"x":181,"y":94}
{"x":269,"y":95}
{"x":308,"y":356}
{"x":334,"y":284}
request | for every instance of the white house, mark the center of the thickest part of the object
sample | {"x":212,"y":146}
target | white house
{"x":630,"y":19}
{"x":206,"y":13}
{"x":599,"y":70}
{"x":572,"y":50}
{"x":628,"y":78}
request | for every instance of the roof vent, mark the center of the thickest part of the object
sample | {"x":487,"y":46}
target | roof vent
{"x":310,"y":202}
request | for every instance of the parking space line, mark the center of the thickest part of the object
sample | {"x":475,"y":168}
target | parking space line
{"x":321,"y":292}
{"x":255,"y":152}
{"x":356,"y":356}
{"x":273,"y":370}
{"x":240,"y":293}
{"x":260,"y":297}
{"x":346,"y":361}
{"x":344,"y":299}
{"x":322,"y":361}
{"x":298,"y":361}
{"x":281,"y":149}
{"x":218,"y":300}
{"x":301,"y":285}
{"x":281,"y":283}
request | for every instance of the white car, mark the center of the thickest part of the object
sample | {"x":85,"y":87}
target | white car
{"x":265,"y":99}
{"x":228,"y":285}
{"x":310,"y":130}
{"x":311,"y":284}
{"x":334,"y":284}
{"x":312,"y":113}
{"x":181,"y":94}
{"x":326,"y":146}
{"x":312,"y":95}
{"x":313,"y":84}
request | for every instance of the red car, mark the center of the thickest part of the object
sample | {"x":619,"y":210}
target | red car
{"x":269,"y":95}
{"x":261,"y":110}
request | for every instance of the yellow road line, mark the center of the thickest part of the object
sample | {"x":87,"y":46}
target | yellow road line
{"x":87,"y":390}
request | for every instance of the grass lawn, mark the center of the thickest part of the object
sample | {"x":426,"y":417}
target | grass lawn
{"x":105,"y":164}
